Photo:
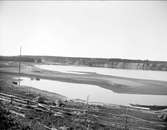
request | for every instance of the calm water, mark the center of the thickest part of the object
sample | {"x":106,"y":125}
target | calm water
{"x":96,"y":94}
{"x":139,"y":74}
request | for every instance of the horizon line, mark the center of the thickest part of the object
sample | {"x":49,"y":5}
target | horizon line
{"x":146,"y":59}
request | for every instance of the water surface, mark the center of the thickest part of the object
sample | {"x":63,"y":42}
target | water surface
{"x":96,"y":93}
{"x":139,"y":74}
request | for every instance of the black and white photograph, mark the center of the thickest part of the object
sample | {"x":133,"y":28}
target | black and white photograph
{"x":83,"y":65}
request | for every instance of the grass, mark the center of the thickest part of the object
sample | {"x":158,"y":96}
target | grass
{"x":11,"y":122}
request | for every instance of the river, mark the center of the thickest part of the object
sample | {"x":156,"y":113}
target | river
{"x":139,"y":74}
{"x":96,"y":93}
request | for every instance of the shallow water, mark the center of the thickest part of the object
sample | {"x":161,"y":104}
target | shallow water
{"x":139,"y":74}
{"x":96,"y":93}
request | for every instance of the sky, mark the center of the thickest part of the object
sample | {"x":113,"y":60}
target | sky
{"x":103,"y":29}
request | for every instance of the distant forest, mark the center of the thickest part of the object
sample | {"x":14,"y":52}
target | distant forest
{"x":91,"y":62}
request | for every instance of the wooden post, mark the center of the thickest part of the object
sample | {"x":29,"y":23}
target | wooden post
{"x":126,"y":118}
{"x":87,"y":105}
{"x":11,"y":101}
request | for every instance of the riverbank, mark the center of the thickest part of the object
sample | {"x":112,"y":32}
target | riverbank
{"x":114,"y":83}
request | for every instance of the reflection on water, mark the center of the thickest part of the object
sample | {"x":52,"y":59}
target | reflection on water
{"x":141,"y":74}
{"x":97,"y":94}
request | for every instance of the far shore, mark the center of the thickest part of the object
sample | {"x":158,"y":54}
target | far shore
{"x":114,"y":83}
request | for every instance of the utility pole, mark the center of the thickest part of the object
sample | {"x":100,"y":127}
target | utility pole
{"x":20,"y":65}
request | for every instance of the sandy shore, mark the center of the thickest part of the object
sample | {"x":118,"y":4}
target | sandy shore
{"x":116,"y":84}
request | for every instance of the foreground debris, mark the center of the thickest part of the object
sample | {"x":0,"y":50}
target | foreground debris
{"x":44,"y":116}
